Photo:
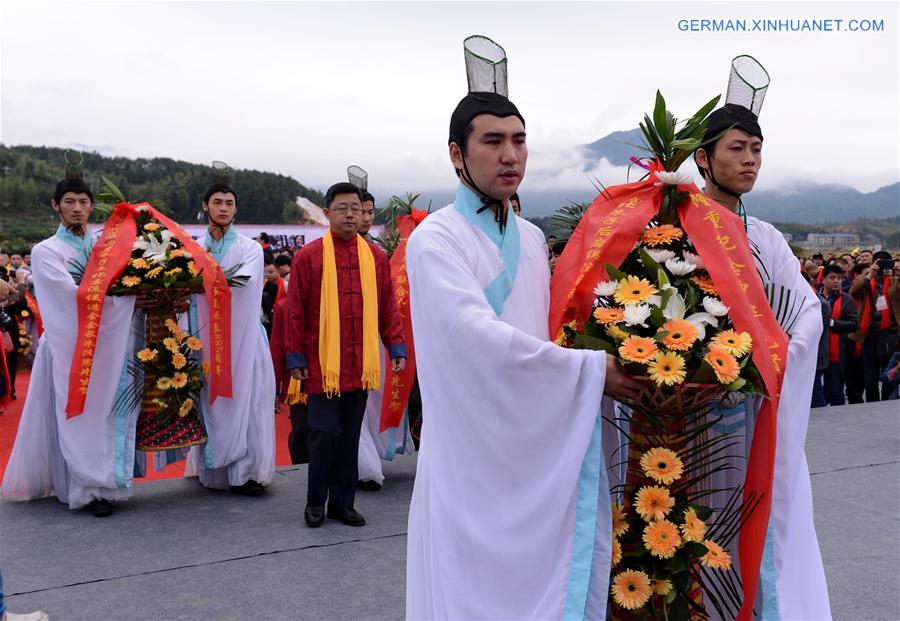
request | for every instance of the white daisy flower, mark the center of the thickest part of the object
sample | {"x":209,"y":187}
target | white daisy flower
{"x":660,"y":256}
{"x":673,"y":178}
{"x":714,"y":307}
{"x":637,"y":315}
{"x":605,"y":288}
{"x":680,"y":268}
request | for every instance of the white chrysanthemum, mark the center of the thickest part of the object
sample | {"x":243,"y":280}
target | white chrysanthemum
{"x":637,"y":315}
{"x":690,"y":257}
{"x":673,"y":178}
{"x":680,"y":268}
{"x":660,"y":256}
{"x":714,"y":307}
{"x":606,"y":288}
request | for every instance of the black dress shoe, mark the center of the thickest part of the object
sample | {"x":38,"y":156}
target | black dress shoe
{"x":101,"y":508}
{"x":250,"y":488}
{"x":314,"y":516}
{"x":368,"y":486}
{"x":350,"y":517}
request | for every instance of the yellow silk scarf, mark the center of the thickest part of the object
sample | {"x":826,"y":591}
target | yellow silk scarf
{"x":330,"y":319}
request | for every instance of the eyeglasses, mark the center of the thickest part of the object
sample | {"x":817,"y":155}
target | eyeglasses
{"x":343,"y":210}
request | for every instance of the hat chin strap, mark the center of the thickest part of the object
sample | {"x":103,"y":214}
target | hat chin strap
{"x":500,"y":215}
{"x":215,"y":225}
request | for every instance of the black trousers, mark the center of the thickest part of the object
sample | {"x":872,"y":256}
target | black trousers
{"x":298,"y":438}
{"x":334,"y":426}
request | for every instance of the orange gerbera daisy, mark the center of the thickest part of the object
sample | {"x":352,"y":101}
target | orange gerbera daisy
{"x":734,"y":342}
{"x":681,"y":334}
{"x":131,"y":281}
{"x":661,"y":235}
{"x":716,"y":557}
{"x":186,"y":407}
{"x":638,"y":349}
{"x":179,"y":360}
{"x":662,"y":465}
{"x":653,"y":502}
{"x":662,"y":586}
{"x":146,"y":355}
{"x":667,"y":368}
{"x":616,"y":551}
{"x":139,"y":264}
{"x":609,"y":316}
{"x":194,"y":343}
{"x":723,"y":363}
{"x":634,"y":290}
{"x":205,"y":367}
{"x":706,"y":284}
{"x":193,"y":269}
{"x":179,"y":380}
{"x":619,"y":524}
{"x":693,"y":529}
{"x":661,"y":538}
{"x":171,"y":344}
{"x":631,"y":589}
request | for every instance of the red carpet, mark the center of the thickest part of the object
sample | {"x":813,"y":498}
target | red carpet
{"x":9,"y":423}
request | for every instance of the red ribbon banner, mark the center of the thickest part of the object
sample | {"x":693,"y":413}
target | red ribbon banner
{"x":106,"y":264}
{"x":397,"y":386}
{"x":607,"y":233}
{"x":32,"y":304}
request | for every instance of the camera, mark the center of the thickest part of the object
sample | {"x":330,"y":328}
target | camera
{"x":885,"y":267}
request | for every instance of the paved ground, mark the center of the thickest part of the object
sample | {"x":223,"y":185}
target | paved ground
{"x":177,"y":551}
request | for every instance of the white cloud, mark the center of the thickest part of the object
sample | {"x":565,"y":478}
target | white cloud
{"x":308,"y":88}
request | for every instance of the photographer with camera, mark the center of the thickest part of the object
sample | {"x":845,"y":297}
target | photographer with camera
{"x":878,"y":297}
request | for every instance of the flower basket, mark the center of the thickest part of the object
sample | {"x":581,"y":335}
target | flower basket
{"x":677,"y":401}
{"x":161,"y":427}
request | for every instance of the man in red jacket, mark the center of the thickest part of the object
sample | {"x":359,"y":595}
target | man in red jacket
{"x":339,"y":303}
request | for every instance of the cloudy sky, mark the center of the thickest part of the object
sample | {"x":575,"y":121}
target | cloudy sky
{"x":306,"y":88}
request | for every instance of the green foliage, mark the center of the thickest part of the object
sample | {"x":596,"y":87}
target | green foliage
{"x":670,"y":145}
{"x":175,"y":187}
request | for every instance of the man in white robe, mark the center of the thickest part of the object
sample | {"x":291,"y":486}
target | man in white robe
{"x":240,"y":452}
{"x":87,"y":459}
{"x":792,"y":581}
{"x":510,"y":515}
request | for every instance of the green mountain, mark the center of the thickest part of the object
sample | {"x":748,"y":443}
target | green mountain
{"x":30,"y":175}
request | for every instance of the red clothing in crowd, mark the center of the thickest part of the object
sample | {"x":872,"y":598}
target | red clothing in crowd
{"x":302,"y":312}
{"x":277,"y":348}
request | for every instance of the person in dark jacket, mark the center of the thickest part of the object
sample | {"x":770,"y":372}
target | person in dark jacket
{"x":841,"y":322}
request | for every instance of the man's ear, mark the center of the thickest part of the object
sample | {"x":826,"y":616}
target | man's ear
{"x":54,"y":205}
{"x":456,"y":156}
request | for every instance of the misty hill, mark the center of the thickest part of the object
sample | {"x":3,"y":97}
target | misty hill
{"x":176,"y":187}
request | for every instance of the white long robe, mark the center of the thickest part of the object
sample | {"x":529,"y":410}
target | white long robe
{"x":376,"y":445}
{"x":90,"y":456}
{"x":792,"y":582}
{"x":241,"y":430}
{"x":510,"y":515}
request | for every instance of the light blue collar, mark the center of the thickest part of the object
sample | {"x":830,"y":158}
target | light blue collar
{"x":82,"y":246}
{"x":218,"y":249}
{"x":508,"y":243}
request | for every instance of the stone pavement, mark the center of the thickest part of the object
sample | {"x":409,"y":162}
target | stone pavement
{"x":177,"y":551}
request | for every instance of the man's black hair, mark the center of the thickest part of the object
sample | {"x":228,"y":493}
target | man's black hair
{"x":71,"y":185}
{"x":366,"y":196}
{"x":282,"y":259}
{"x":342,"y":187}
{"x":268,"y":257}
{"x":859,"y":268}
{"x":264,"y":237}
{"x":832,"y":269}
{"x":818,"y":255}
{"x":219,"y":187}
{"x":559,"y":246}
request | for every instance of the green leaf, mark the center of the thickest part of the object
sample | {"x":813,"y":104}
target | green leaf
{"x":688,"y":144}
{"x":659,"y":113}
{"x":614,"y":273}
{"x":671,"y":595}
{"x":650,"y":265}
{"x":583,"y":341}
{"x":736,"y":385}
{"x":703,"y":512}
{"x":695,"y":549}
{"x":704,"y":374}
